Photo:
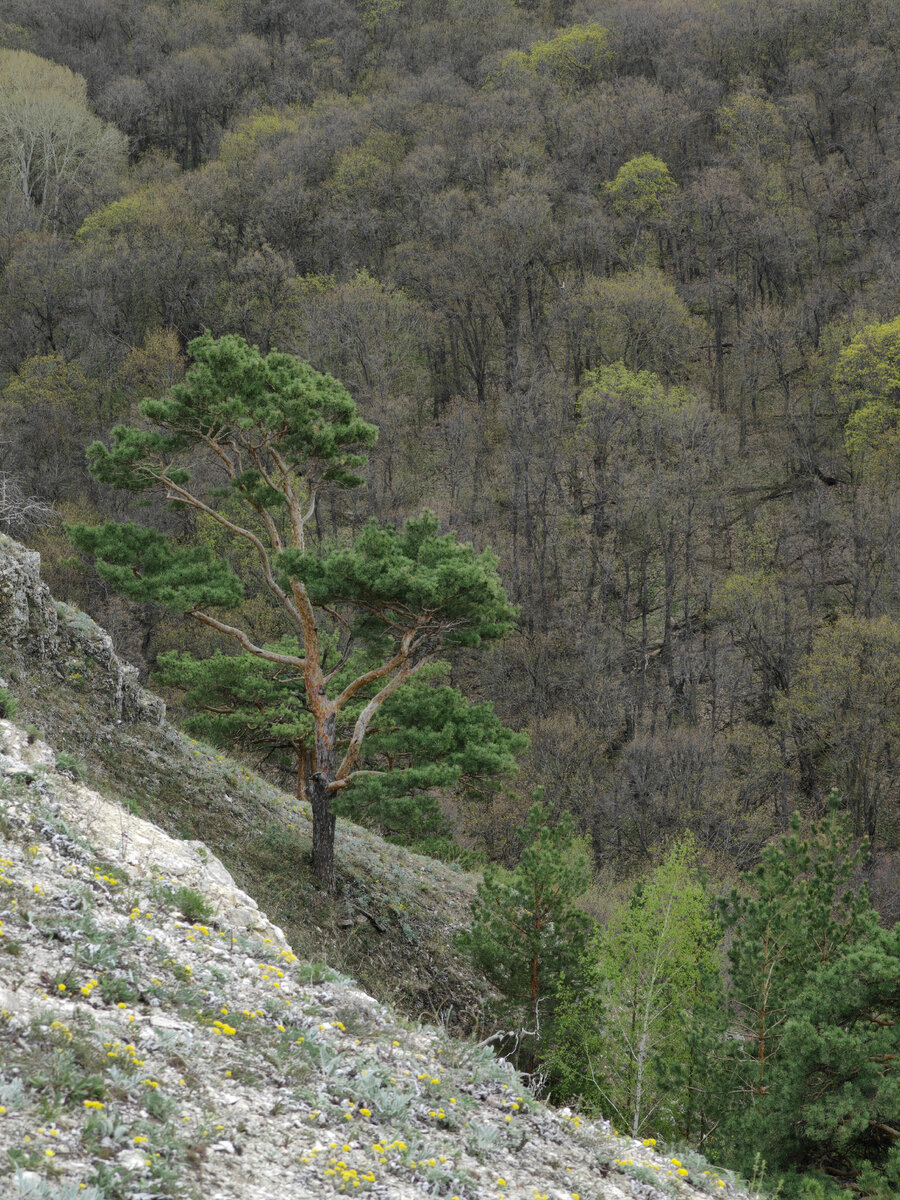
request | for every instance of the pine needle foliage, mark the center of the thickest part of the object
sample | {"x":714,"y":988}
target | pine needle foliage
{"x":810,"y":1079}
{"x":527,"y":932}
{"x":248,"y":444}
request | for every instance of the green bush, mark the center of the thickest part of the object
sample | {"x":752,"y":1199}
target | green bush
{"x":68,"y":764}
{"x":192,"y":905}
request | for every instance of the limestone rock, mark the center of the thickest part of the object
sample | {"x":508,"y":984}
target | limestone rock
{"x":33,"y":625}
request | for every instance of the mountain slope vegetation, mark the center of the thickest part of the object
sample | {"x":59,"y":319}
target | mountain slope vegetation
{"x":616,"y":284}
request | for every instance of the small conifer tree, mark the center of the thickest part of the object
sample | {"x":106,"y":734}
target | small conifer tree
{"x":527,"y":931}
{"x":811,"y":1075}
{"x":834,"y":1100}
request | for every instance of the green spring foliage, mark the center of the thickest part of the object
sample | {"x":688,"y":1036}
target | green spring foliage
{"x":633,"y":1036}
{"x":576,"y":58}
{"x":867,"y":379}
{"x":527,"y":930}
{"x":791,"y":1054}
{"x":643,"y":187}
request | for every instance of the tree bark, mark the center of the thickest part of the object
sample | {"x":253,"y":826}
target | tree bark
{"x":320,"y":800}
{"x":323,"y":830}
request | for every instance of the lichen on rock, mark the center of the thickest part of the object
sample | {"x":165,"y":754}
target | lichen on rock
{"x":35,"y":626}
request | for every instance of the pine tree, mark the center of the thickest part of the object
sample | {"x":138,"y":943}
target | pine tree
{"x":834,"y":1101}
{"x":427,"y":736}
{"x":798,"y":930}
{"x":527,"y":931}
{"x":264,"y":436}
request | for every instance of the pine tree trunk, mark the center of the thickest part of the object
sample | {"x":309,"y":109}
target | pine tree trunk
{"x":320,"y":800}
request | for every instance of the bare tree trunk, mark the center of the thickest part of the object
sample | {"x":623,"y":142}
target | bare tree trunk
{"x":320,"y":800}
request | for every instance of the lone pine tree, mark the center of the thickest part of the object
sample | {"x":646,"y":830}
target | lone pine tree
{"x":264,"y":436}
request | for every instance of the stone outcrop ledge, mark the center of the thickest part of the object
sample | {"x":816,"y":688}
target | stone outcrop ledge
{"x":34,"y":625}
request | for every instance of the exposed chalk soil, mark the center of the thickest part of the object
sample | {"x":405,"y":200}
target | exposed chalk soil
{"x":158,"y":1038}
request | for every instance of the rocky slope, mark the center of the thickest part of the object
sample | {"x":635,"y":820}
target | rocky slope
{"x":158,"y":1037}
{"x":391,"y":926}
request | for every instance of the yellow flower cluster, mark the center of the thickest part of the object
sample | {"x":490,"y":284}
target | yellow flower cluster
{"x":348,"y":1174}
{"x":113,"y":1050}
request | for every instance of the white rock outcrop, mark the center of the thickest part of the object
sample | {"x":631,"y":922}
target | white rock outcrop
{"x":143,"y":1054}
{"x":34,"y":625}
{"x":148,"y":854}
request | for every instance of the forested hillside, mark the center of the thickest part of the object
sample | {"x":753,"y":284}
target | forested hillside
{"x":617,"y":283}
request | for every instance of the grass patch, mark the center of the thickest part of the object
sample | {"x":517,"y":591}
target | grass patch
{"x":69,"y":764}
{"x":192,"y":905}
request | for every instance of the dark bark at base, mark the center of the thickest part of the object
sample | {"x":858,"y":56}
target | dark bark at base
{"x":323,"y":830}
{"x":319,"y":798}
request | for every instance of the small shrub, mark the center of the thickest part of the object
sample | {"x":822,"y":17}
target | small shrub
{"x":117,"y":990}
{"x":68,"y":764}
{"x":159,"y":1105}
{"x":316,"y":972}
{"x":193,"y":905}
{"x":281,"y":846}
{"x":482,"y":1138}
{"x":23,"y":1158}
{"x":446,"y":850}
{"x":390,"y":1103}
{"x":9,"y":705}
{"x":111,"y":873}
{"x":28,"y":1187}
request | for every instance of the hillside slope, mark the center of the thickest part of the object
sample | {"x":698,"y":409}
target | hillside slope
{"x":392,"y":926}
{"x":159,"y":1037}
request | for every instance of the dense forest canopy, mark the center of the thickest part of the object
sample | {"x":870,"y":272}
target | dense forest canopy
{"x":617,"y":282}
